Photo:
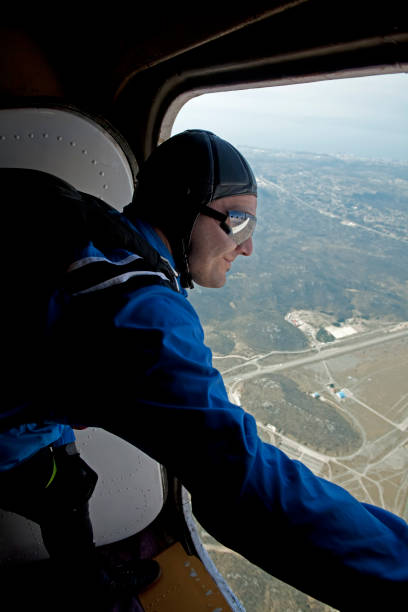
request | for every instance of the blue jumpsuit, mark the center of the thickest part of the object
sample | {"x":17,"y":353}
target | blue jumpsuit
{"x":146,"y":375}
{"x":132,"y":360}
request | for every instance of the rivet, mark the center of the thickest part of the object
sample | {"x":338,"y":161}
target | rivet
{"x":106,"y":187}
{"x":73,"y":143}
{"x":85,"y":152}
{"x":31,"y":135}
{"x":101,"y":173}
{"x":2,"y":138}
{"x":17,"y":136}
{"x":59,"y":138}
{"x":45,"y":135}
{"x":94,"y":162}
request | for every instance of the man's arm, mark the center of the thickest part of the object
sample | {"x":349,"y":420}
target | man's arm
{"x":141,"y":370}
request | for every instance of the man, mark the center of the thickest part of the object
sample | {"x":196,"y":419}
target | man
{"x":127,"y":349}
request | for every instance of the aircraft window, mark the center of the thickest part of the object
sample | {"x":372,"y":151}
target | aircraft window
{"x":311,"y":332}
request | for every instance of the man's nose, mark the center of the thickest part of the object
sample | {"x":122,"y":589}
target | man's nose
{"x":246,"y":248}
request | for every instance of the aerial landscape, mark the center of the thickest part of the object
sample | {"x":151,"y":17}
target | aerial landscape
{"x":311,"y":334}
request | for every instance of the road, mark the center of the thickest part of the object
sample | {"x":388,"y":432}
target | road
{"x":233,"y":373}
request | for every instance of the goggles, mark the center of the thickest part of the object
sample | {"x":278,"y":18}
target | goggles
{"x":239,"y":225}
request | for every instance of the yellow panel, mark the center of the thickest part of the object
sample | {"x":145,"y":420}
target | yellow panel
{"x":184,"y":585}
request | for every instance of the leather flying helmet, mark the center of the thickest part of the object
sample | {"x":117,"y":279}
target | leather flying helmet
{"x":180,"y":177}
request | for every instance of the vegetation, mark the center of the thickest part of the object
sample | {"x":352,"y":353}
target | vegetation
{"x":324,"y":336}
{"x":277,"y":400}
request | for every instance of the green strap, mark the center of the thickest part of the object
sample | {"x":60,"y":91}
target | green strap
{"x":54,"y":471}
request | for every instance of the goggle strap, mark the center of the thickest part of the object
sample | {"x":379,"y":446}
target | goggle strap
{"x":215,"y":214}
{"x":225,"y":227}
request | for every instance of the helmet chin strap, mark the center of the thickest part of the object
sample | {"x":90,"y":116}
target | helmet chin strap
{"x":181,"y":251}
{"x":184,"y":267}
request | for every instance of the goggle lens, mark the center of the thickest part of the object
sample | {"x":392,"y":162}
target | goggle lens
{"x":239,"y":225}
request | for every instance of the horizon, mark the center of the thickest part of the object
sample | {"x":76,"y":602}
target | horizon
{"x":363,"y":117}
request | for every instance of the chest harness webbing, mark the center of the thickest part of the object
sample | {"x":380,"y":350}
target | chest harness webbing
{"x":48,"y":223}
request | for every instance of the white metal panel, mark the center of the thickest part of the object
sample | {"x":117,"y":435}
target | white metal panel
{"x":70,"y":146}
{"x":129,"y":493}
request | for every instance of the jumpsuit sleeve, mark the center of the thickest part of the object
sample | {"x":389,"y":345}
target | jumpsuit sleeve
{"x":150,"y":380}
{"x":67,"y":437}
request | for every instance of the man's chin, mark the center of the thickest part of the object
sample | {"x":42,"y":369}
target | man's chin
{"x":214,"y":283}
{"x":219,"y":283}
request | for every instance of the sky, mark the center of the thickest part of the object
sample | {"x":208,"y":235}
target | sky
{"x":364,"y":116}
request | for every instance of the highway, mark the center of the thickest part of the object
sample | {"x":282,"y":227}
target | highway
{"x":232,"y":374}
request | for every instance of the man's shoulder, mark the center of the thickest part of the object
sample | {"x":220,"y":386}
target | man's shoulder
{"x":158,"y":302}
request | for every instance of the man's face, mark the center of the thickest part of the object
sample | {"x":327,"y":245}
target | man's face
{"x":212,"y":251}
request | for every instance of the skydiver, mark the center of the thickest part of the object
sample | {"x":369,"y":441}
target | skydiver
{"x":130,"y":355}
{"x":145,"y":374}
